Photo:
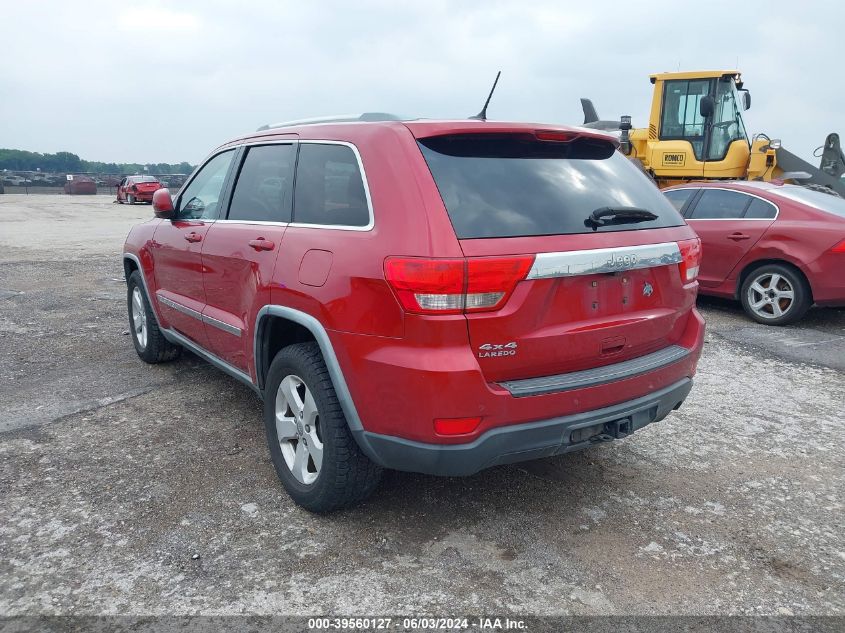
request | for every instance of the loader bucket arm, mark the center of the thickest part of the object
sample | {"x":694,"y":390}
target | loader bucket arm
{"x":789,"y":162}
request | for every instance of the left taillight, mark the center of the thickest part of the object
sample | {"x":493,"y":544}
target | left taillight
{"x":455,"y":286}
{"x":690,"y":259}
{"x":839,"y":248}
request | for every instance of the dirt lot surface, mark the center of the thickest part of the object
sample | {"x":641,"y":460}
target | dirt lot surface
{"x":127,"y":488}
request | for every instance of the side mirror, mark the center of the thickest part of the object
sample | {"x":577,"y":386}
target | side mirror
{"x":746,"y":100}
{"x":163,"y":204}
{"x":706,"y":106}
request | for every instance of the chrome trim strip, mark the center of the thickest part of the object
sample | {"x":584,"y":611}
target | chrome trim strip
{"x":250,"y":222}
{"x":596,"y":376}
{"x":179,"y":307}
{"x":175,"y":337}
{"x":231,"y":329}
{"x":604,"y":260}
{"x":753,"y":195}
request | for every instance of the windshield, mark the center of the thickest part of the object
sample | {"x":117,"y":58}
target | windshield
{"x":507,"y":186}
{"x":816,"y":199}
{"x":727,"y":123}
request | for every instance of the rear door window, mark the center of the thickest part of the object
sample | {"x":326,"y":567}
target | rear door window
{"x":262,"y":191}
{"x":720,"y":204}
{"x":329,"y":188}
{"x":515,"y":185}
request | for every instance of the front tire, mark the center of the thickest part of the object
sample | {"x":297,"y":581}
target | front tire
{"x":311,"y":447}
{"x":130,"y":199}
{"x":147,"y":337}
{"x":775,"y":294}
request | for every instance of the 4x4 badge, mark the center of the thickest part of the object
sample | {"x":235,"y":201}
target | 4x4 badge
{"x":497,"y":349}
{"x":648,"y":289}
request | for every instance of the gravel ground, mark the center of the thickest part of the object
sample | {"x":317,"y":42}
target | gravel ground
{"x":126,"y":488}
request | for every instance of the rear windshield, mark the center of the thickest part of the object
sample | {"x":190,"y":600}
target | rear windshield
{"x":818,"y":199}
{"x":144,"y":179}
{"x":509,"y":186}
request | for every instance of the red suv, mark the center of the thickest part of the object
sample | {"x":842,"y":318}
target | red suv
{"x":438,"y":297}
{"x":777,"y":248}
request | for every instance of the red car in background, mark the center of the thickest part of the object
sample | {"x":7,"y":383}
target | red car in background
{"x":779,"y":249}
{"x":134,"y":189}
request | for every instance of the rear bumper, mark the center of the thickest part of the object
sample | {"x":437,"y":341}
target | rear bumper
{"x":522,"y":442}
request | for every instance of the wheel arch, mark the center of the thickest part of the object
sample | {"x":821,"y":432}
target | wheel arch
{"x":277,"y":326}
{"x":751,"y":267}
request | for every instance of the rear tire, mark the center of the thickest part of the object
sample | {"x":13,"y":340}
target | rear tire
{"x":775,"y":294}
{"x":130,"y":199}
{"x":312,"y":449}
{"x":147,"y":337}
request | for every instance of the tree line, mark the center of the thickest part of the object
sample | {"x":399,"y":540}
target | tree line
{"x":66,"y":162}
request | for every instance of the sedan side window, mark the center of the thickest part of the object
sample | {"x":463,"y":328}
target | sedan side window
{"x":679,"y":197}
{"x":720,"y":204}
{"x":201,"y":197}
{"x":762,"y":210}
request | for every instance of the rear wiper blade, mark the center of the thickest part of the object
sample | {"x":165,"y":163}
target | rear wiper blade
{"x":618,"y":215}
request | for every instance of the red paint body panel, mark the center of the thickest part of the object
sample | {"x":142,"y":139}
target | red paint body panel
{"x":801,"y":235}
{"x":237,"y":280}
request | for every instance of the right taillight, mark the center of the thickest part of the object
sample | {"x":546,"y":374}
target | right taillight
{"x":455,"y":286}
{"x":839,"y":248}
{"x":690,"y":259}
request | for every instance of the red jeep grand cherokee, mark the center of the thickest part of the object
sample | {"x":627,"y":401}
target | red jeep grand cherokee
{"x":430,"y":296}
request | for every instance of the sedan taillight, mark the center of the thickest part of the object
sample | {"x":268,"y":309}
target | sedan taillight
{"x":690,"y":259}
{"x":839,"y":248}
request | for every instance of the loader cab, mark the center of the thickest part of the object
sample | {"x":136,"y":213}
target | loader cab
{"x":697,"y":121}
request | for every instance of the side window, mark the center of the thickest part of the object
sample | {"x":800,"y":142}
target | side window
{"x":262,"y":191}
{"x":329,"y":188}
{"x":720,"y":204}
{"x":760,"y":209}
{"x":679,"y":197}
{"x":201,"y":197}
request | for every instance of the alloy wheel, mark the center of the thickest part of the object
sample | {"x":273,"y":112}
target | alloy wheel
{"x":771,"y":295}
{"x":298,"y":429}
{"x":139,"y":318}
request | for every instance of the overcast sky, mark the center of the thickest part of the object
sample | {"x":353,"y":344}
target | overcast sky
{"x":166,"y":82}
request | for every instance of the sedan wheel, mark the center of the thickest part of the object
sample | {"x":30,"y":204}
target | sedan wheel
{"x":298,"y":429}
{"x":776,"y":294}
{"x":771,"y":296}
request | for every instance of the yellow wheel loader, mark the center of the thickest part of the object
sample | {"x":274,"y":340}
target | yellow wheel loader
{"x":695,"y":132}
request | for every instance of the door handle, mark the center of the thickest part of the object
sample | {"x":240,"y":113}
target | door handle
{"x":193,"y":237}
{"x":738,"y":237}
{"x":262,"y":245}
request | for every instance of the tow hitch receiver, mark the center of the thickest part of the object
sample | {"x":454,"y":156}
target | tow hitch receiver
{"x":614,"y":430}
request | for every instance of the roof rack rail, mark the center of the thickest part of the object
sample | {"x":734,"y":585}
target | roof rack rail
{"x":337,"y":118}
